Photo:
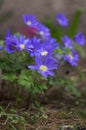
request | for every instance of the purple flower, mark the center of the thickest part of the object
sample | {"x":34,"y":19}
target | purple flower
{"x":44,"y":66}
{"x":34,"y":45}
{"x":10,"y":43}
{"x":67,"y":42}
{"x":62,"y":20}
{"x":79,"y":38}
{"x":30,"y":20}
{"x":42,"y":48}
{"x":72,"y":58}
{"x":46,"y":48}
{"x":43,"y":31}
{"x":1,"y":47}
{"x":23,"y":43}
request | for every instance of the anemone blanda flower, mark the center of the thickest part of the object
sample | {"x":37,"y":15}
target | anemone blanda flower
{"x":10,"y":42}
{"x":35,"y":43}
{"x":1,"y":47}
{"x":46,"y":48}
{"x":44,"y":67}
{"x":30,"y":20}
{"x":41,"y":47}
{"x":62,"y":20}
{"x":67,"y":42}
{"x":72,"y":58}
{"x":43,"y":31}
{"x":79,"y":38}
{"x":23,"y":43}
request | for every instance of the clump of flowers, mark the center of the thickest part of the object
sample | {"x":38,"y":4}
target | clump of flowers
{"x":42,"y":47}
{"x":34,"y":49}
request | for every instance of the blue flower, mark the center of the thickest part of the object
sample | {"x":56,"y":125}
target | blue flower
{"x":43,"y":48}
{"x":46,"y":48}
{"x":10,"y":43}
{"x":79,"y":38}
{"x":44,"y":66}
{"x":67,"y":42}
{"x":72,"y":58}
{"x":62,"y":20}
{"x":23,"y":43}
{"x":30,"y":20}
{"x":34,"y":45}
{"x":1,"y":47}
{"x":43,"y":31}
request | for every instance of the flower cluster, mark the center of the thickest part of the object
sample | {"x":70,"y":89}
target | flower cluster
{"x":40,"y":29}
{"x":69,"y":52}
{"x":42,"y":47}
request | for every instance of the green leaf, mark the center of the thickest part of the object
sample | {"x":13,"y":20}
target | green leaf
{"x":9,"y":76}
{"x":59,"y":51}
{"x":75,"y":91}
{"x":48,"y":22}
{"x":25,"y":79}
{"x":80,"y":50}
{"x":39,"y":88}
{"x":75,"y":22}
{"x":13,"y":127}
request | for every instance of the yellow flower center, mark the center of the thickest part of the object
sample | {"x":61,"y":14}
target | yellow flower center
{"x":41,"y":33}
{"x":29,"y":23}
{"x":22,"y":46}
{"x":70,"y":56}
{"x":44,"y":53}
{"x":43,"y":68}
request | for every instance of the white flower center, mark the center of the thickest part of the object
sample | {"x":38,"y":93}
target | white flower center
{"x":44,"y":53}
{"x":70,"y":56}
{"x":29,"y":23}
{"x":41,"y":33}
{"x":43,"y":68}
{"x":22,"y":46}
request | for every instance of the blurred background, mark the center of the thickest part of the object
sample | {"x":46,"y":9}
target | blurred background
{"x":11,"y":11}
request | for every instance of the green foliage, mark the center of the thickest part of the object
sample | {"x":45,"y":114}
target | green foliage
{"x":69,"y":83}
{"x":58,"y":31}
{"x":80,"y":50}
{"x":72,"y":86}
{"x":39,"y":88}
{"x":9,"y":77}
{"x":75,"y":22}
{"x":48,"y":22}
{"x":25,"y":80}
{"x":14,"y":69}
{"x":14,"y":62}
